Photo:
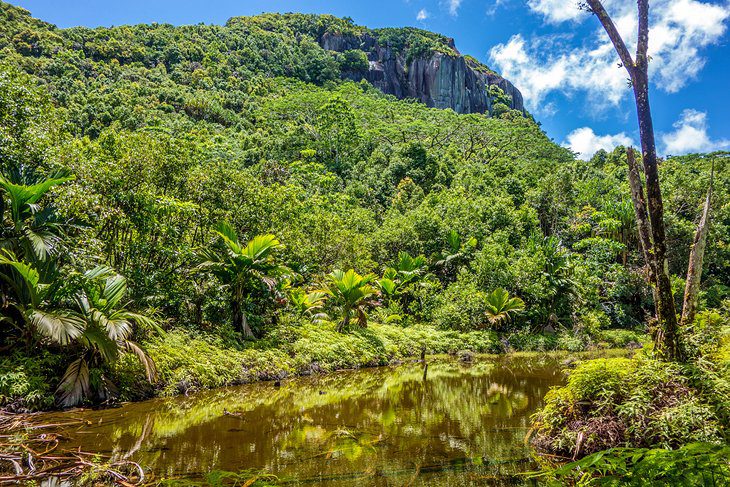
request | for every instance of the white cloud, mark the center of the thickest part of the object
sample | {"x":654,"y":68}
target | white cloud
{"x":690,"y":135}
{"x":680,"y":29}
{"x":585,"y":141}
{"x":493,"y":7}
{"x":556,"y":11}
{"x":536,"y":72}
{"x":454,"y":7}
{"x":422,"y":14}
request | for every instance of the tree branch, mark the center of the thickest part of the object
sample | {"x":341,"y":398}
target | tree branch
{"x":643,"y":38}
{"x":596,"y":7}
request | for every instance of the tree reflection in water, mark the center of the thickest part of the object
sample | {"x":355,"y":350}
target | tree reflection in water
{"x":461,"y":424}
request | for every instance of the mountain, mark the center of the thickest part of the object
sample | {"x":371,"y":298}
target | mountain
{"x":404,"y":62}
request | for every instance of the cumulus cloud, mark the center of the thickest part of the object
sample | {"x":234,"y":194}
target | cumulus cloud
{"x":690,"y":135}
{"x":586,"y":142}
{"x":679,"y":30}
{"x":422,"y":14}
{"x":454,"y":7}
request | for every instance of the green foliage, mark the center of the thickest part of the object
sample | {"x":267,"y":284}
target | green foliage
{"x":501,"y":307}
{"x":187,"y":363}
{"x":24,"y":381}
{"x":243,"y":268}
{"x":349,"y":292}
{"x":167,"y":131}
{"x":639,"y":402}
{"x":354,"y":61}
{"x":692,"y":464}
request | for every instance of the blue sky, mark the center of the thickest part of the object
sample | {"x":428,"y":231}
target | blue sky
{"x":555,"y":54}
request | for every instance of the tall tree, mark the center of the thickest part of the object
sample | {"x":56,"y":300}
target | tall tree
{"x":667,"y":337}
{"x":650,"y":210}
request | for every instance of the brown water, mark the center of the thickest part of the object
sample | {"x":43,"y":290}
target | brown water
{"x":453,"y":424}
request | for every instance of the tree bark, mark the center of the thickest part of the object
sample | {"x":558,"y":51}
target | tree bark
{"x":642,"y":219}
{"x":240,"y":321}
{"x":696,"y":257}
{"x":667,"y":338}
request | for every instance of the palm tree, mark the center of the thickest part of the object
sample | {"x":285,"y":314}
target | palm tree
{"x":561,"y":290}
{"x":309,"y":304}
{"x":410,"y":268}
{"x":350,"y":292}
{"x":458,"y":249}
{"x":97,"y":323}
{"x":27,"y":229}
{"x":501,"y":307}
{"x":31,"y":307}
{"x":407,"y":270}
{"x":107,"y":329}
{"x":243,"y":268}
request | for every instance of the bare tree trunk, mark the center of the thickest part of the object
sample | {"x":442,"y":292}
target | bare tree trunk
{"x":667,"y":338}
{"x":642,"y":219}
{"x":696,"y":256}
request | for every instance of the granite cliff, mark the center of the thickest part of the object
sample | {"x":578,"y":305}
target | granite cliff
{"x":439,"y":78}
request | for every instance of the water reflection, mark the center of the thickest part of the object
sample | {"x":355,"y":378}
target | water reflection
{"x":456,"y":424}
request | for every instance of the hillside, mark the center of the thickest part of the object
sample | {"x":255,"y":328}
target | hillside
{"x":407,"y":62}
{"x":174,"y":151}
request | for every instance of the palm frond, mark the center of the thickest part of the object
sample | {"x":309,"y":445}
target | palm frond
{"x":149,"y":365}
{"x":74,"y":386}
{"x":115,"y":288}
{"x":62,"y":327}
{"x":229,"y":236}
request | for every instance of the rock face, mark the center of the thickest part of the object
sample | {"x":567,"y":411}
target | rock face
{"x":439,"y":80}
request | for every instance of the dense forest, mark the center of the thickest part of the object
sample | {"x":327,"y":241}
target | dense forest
{"x":206,"y":205}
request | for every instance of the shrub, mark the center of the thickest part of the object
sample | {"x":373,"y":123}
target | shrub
{"x":527,"y":341}
{"x":461,"y":307}
{"x":26,"y":383}
{"x":620,"y":402}
{"x":621,"y":338}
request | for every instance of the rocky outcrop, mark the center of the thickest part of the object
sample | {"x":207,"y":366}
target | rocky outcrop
{"x":439,"y":80}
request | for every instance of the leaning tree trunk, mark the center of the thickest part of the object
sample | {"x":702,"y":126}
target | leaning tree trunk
{"x":642,"y":219}
{"x":696,"y":256}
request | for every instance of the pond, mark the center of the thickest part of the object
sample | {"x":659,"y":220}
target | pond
{"x":450,"y":423}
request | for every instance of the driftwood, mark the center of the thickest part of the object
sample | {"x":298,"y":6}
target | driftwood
{"x":32,"y":453}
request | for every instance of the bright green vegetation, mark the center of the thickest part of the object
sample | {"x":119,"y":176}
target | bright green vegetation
{"x":185,"y":208}
{"x":204,"y":206}
{"x":691,"y":464}
{"x":645,"y":420}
